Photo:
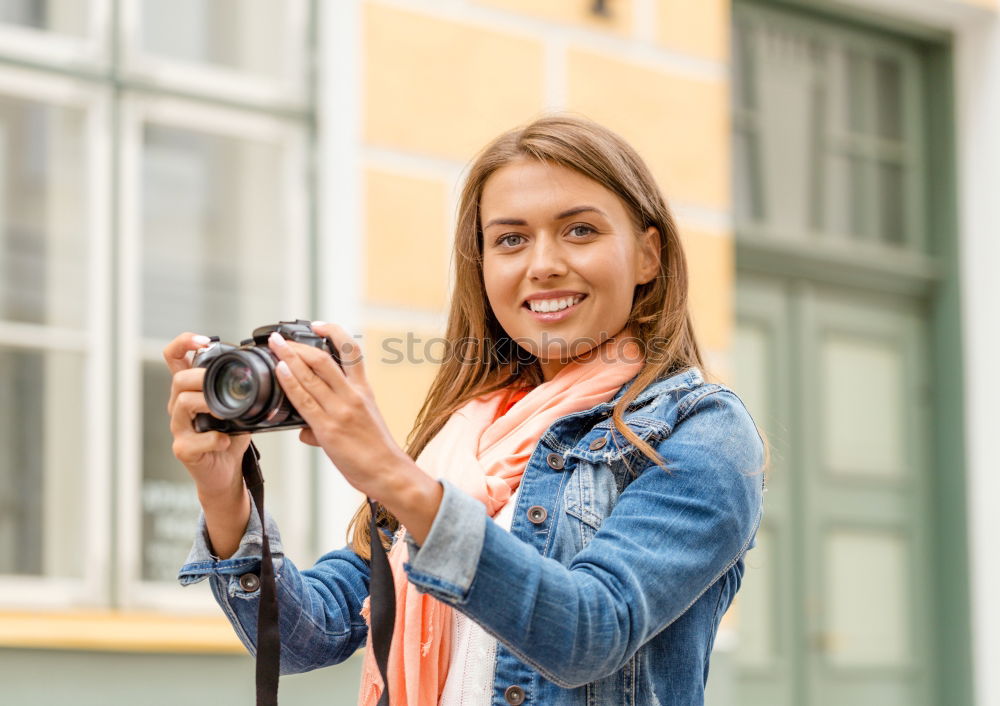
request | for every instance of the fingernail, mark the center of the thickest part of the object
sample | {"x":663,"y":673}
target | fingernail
{"x":282,"y":368}
{"x":201,"y":340}
{"x":319,"y":323}
{"x":277,"y":339}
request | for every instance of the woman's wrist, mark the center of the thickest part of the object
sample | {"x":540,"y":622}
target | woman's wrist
{"x":413,"y":497}
{"x":222,"y":499}
{"x":226,"y":521}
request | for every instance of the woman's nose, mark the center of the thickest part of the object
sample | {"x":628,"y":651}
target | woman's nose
{"x":547,"y":260}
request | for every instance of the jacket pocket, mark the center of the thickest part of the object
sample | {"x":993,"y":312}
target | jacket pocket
{"x":589,"y":496}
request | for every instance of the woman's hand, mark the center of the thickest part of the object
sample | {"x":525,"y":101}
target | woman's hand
{"x":339,"y":407}
{"x":212,"y":458}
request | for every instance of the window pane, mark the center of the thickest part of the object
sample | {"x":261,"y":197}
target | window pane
{"x":744,"y":68}
{"x":169,"y":501}
{"x":43,"y":214}
{"x":857,"y":97}
{"x":890,"y":202}
{"x":889,"y":98}
{"x":746,"y":165}
{"x":215,"y":237}
{"x":41,"y":462}
{"x":213,"y":221}
{"x":243,"y":35}
{"x":61,"y":16}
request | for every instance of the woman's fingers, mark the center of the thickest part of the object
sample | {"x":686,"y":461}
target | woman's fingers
{"x":348,"y":349}
{"x":191,"y":379}
{"x":175,"y":352}
{"x":315,"y":372}
{"x":185,"y":407}
{"x":306,"y":436}
{"x":300,"y":383}
{"x":189,"y":448}
{"x":189,"y":445}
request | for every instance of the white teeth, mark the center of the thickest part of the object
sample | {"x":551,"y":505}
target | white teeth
{"x":549,"y":305}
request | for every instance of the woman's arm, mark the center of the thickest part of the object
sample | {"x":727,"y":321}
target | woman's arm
{"x":320,"y":619}
{"x":668,"y":539}
{"x":319,"y":608}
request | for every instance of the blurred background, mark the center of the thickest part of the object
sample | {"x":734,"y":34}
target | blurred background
{"x":215,"y":165}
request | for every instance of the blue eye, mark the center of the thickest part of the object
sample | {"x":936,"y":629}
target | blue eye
{"x":587,"y":230}
{"x":503,"y":238}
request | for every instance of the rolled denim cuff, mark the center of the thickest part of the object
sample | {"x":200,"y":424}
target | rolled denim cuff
{"x":201,"y":562}
{"x":445,"y":564}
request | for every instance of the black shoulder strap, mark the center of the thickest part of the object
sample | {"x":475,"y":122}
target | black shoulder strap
{"x":382,"y":599}
{"x":381,"y":605}
{"x":268,"y":635}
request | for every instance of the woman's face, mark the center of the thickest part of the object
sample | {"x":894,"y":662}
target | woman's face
{"x":561,"y":259}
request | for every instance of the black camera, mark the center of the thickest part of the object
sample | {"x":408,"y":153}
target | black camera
{"x":240,"y":386}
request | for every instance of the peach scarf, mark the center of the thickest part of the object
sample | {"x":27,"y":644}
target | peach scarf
{"x":500,"y":449}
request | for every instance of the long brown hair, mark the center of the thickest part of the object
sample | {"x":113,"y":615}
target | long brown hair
{"x":659,"y":319}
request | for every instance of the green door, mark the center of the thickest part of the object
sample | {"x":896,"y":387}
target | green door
{"x":835,"y":270}
{"x":835,"y":608}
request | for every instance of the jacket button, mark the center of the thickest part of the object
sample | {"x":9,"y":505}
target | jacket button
{"x":249,"y":582}
{"x":537,"y":514}
{"x":598,"y":443}
{"x":555,"y":461}
{"x":514,"y":695}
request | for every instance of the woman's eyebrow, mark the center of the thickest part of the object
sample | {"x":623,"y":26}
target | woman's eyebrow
{"x":576,"y":210}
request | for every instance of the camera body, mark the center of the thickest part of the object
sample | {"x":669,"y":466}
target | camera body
{"x":241,"y":388}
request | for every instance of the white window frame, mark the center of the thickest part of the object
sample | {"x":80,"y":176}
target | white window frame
{"x":294,"y":464}
{"x":60,"y":50}
{"x":217,"y":81}
{"x":341,"y":221}
{"x":91,"y":589}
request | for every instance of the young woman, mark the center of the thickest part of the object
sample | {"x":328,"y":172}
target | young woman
{"x":575,"y":501}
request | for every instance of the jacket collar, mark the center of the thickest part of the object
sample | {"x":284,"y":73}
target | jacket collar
{"x":599,"y":414}
{"x":686,"y":378}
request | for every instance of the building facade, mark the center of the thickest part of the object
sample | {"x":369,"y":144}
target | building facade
{"x":217,"y":166}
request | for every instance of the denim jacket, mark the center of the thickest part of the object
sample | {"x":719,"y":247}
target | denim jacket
{"x":611,"y":583}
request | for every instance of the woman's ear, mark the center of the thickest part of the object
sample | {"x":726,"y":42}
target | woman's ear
{"x":649,"y":255}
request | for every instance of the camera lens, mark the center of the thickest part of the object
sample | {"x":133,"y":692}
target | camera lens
{"x":235,"y":384}
{"x":239,"y":385}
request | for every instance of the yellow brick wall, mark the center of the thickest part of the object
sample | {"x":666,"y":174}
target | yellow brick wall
{"x":443,"y":88}
{"x":699,"y":28}
{"x":406,"y":263}
{"x":399,"y":364}
{"x":442,"y":79}
{"x":679,"y":125}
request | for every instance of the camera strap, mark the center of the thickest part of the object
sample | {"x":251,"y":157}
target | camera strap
{"x":382,"y":598}
{"x":382,"y":605}
{"x":268,"y":635}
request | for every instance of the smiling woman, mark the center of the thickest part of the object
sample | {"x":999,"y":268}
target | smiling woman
{"x":561,"y":259}
{"x":568,"y":522}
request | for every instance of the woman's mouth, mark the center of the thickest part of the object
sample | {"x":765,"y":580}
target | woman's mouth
{"x":555,"y":309}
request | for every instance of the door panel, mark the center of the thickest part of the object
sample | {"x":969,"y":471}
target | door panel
{"x":834,"y":608}
{"x":862,"y":438}
{"x":863,"y":393}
